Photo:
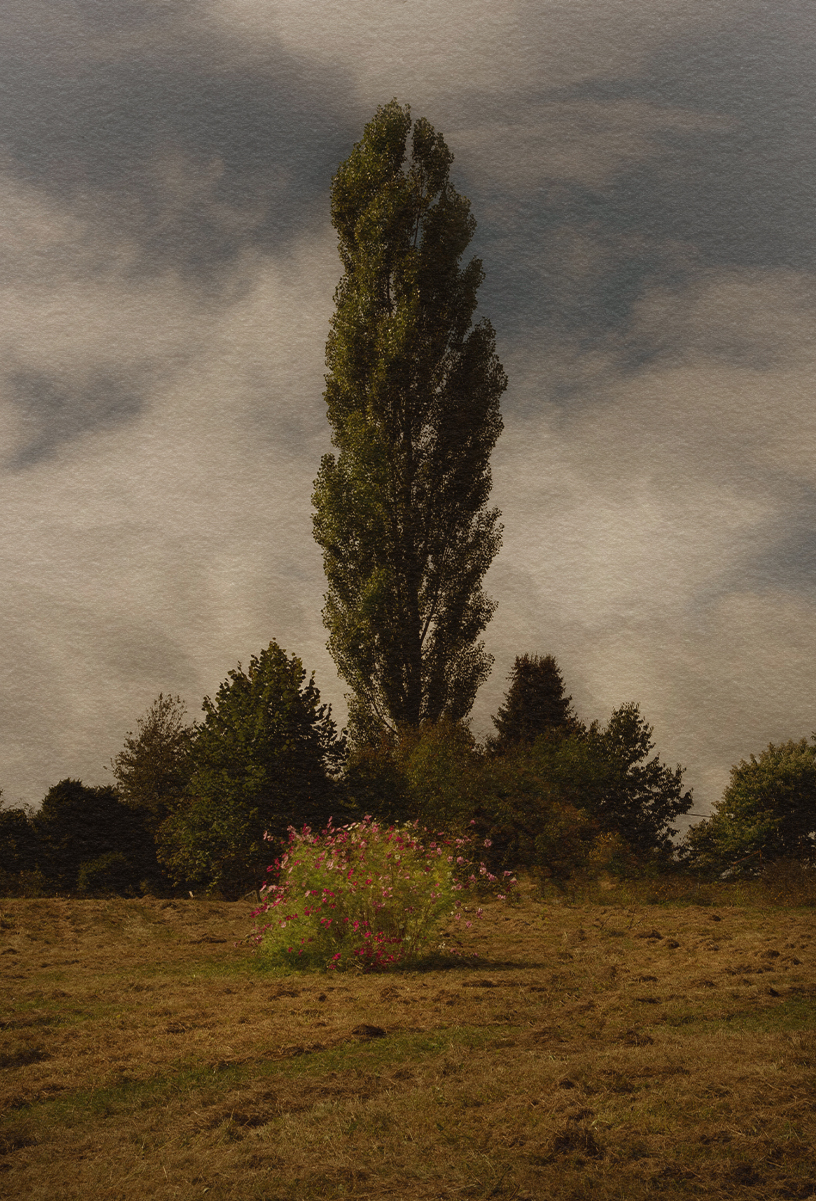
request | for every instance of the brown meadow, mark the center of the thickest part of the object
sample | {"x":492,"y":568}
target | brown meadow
{"x":597,"y":1049}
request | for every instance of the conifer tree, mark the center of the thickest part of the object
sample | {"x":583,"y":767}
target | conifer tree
{"x":412,"y":393}
{"x":535,"y":703}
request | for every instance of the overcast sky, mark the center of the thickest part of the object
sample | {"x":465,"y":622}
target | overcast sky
{"x":642,"y":173}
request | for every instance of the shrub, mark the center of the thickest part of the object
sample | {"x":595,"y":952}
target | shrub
{"x":526,"y":822}
{"x":77,"y":824}
{"x":366,"y":896}
{"x":18,"y":841}
{"x":110,"y":873}
{"x":439,"y":763}
{"x":422,"y":775}
{"x":153,"y":768}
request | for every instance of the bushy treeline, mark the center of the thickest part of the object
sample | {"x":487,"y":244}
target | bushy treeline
{"x":206,"y":806}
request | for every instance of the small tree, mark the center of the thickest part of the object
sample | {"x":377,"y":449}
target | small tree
{"x":606,"y":772}
{"x":535,"y":704}
{"x":767,"y":813}
{"x":439,"y":763}
{"x":374,"y":781}
{"x":413,"y":400}
{"x":153,"y":768}
{"x":77,"y":825}
{"x":526,"y":821}
{"x":425,"y":775}
{"x":19,"y":847}
{"x":266,"y":756}
{"x":601,"y":772}
{"x":636,"y":797}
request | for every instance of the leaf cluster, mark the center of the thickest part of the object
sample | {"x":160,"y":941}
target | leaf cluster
{"x":77,"y":835}
{"x":152,"y":771}
{"x":550,"y":794}
{"x":767,"y":813}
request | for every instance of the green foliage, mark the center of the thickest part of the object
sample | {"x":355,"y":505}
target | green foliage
{"x":607,"y":772}
{"x":412,"y":396}
{"x":153,"y":768}
{"x":438,"y":776}
{"x":603,"y":773}
{"x":375,"y":783}
{"x":587,"y":798}
{"x":18,"y":841}
{"x":420,"y":775}
{"x":19,"y":852}
{"x":438,"y":763}
{"x":367,"y":897}
{"x":767,"y":813}
{"x":576,"y":799}
{"x":265,"y":756}
{"x":110,"y":873}
{"x":535,"y":704}
{"x":529,"y":822}
{"x":77,"y":824}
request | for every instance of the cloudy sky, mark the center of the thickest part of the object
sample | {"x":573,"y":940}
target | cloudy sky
{"x":642,"y":173}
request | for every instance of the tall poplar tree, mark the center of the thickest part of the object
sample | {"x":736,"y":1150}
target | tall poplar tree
{"x":412,"y":393}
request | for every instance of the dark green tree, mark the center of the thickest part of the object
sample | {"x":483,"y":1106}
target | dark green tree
{"x":18,"y":842}
{"x":77,"y":825}
{"x":153,"y":768}
{"x":526,"y":821}
{"x":606,"y":771}
{"x":266,"y":755}
{"x":412,"y":394}
{"x":535,"y":704}
{"x":767,"y":812}
{"x":423,"y":775}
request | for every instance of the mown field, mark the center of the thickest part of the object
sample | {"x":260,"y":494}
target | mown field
{"x":596,"y":1050}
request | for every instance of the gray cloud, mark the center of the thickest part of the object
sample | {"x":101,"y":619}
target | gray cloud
{"x":701,"y":158}
{"x":54,"y":411}
{"x":154,"y":127}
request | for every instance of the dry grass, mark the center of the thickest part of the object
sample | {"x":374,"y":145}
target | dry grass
{"x":598,"y":1050}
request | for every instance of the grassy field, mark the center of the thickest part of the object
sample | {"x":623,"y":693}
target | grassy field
{"x":597,"y":1050}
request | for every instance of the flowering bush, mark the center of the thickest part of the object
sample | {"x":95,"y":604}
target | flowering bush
{"x":367,"y":896}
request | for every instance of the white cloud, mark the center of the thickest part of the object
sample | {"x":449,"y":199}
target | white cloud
{"x":161,"y":542}
{"x":154,"y":556}
{"x":633,"y":526}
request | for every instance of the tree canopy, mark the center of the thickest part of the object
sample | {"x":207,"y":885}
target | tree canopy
{"x":630,"y":794}
{"x":412,"y":395}
{"x":265,"y":756}
{"x":767,"y":812}
{"x":535,"y":703}
{"x":78,"y":825}
{"x":153,"y":768}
